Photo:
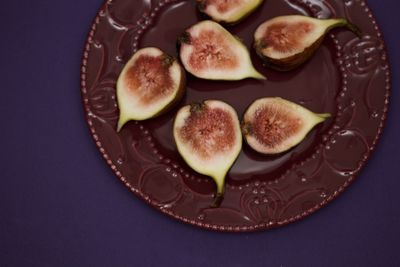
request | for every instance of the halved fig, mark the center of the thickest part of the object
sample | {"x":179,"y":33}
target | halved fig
{"x":209,"y":139}
{"x":228,"y":11}
{"x":273,"y":125}
{"x":208,"y":51}
{"x":149,"y":84}
{"x":288,"y":41}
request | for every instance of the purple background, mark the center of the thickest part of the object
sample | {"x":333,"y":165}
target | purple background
{"x":60,"y":204}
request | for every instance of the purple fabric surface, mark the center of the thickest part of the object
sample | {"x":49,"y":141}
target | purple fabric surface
{"x":60,"y":204}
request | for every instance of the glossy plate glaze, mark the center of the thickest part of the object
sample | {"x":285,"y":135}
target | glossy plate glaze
{"x":348,"y":77}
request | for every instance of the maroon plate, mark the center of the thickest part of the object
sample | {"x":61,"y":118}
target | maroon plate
{"x":348,"y":77}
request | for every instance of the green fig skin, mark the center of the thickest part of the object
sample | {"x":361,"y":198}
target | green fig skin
{"x":289,"y":63}
{"x":295,"y":60}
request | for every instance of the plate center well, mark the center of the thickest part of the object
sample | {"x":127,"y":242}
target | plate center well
{"x":313,"y":85}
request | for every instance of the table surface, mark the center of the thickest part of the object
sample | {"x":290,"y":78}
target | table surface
{"x":60,"y":204}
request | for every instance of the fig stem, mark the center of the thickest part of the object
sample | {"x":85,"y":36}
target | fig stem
{"x":345,"y":23}
{"x":220,"y":192}
{"x":167,"y":60}
{"x":201,"y":5}
{"x":217,"y":200}
{"x":196,"y":107}
{"x":354,"y":29}
{"x":324,"y":115}
{"x":121,"y":122}
{"x":246,"y":128}
{"x":185,"y":38}
{"x":258,"y":76}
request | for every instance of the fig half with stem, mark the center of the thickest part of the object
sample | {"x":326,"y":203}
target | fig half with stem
{"x":149,"y":84}
{"x":209,"y":139}
{"x":288,"y":41}
{"x":208,"y":51}
{"x":272,"y":125}
{"x":228,"y":11}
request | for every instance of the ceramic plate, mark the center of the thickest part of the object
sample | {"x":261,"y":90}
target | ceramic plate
{"x":348,"y":77}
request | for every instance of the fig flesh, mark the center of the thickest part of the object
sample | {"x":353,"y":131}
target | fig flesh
{"x":273,"y":125}
{"x":208,"y":51}
{"x":228,"y":11}
{"x":286,"y":42}
{"x":149,"y":84}
{"x":209,"y":139}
